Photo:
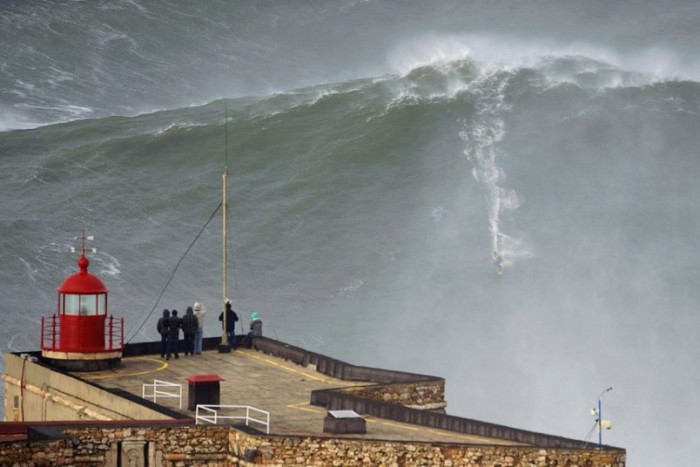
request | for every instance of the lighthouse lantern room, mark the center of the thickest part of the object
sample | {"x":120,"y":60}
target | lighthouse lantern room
{"x":82,"y":336}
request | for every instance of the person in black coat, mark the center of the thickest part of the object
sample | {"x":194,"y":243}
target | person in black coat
{"x":231,"y":318}
{"x":189,"y":328}
{"x":174,"y":326}
{"x":162,"y":328}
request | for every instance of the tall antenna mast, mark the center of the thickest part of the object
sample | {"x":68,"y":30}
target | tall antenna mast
{"x":224,"y":347}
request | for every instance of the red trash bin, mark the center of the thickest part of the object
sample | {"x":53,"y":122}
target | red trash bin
{"x":203,"y":390}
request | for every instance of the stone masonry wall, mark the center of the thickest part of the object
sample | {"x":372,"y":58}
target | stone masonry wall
{"x":112,"y":447}
{"x":217,"y":446}
{"x":428,"y":395}
{"x":347,"y":452}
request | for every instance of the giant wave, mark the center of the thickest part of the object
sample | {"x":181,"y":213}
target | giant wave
{"x":366,"y":210}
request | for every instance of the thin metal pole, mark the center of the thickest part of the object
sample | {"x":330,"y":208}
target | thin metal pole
{"x":224,"y":347}
{"x":224,"y":176}
{"x":600,"y":423}
{"x":224,"y":334}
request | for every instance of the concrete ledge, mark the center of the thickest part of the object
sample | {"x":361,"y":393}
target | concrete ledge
{"x":336,"y":368}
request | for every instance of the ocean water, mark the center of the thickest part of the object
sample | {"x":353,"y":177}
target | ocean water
{"x":378,"y":153}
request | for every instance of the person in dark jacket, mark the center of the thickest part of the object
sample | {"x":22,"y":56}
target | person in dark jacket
{"x":231,"y":318}
{"x":162,"y":328}
{"x":189,"y":328}
{"x":174,"y":326}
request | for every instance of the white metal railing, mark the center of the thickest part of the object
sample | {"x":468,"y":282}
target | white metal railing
{"x":213,"y":414}
{"x":162,"y":389}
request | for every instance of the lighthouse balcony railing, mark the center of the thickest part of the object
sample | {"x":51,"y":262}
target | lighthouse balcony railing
{"x":114,"y":333}
{"x":52,"y":336}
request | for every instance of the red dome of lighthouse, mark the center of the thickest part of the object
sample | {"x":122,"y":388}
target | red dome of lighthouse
{"x":82,"y":282}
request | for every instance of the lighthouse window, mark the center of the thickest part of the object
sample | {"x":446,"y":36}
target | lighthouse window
{"x":87,"y":305}
{"x":84,"y":305}
{"x":101,"y":304}
{"x":71,"y":304}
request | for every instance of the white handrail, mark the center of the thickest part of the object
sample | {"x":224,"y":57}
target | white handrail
{"x":213,"y":414}
{"x":160,"y":389}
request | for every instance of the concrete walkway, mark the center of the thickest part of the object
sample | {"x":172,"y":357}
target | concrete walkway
{"x":268,"y":383}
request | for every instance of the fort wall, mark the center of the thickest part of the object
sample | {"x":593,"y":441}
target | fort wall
{"x":103,"y":428}
{"x":214,"y":446}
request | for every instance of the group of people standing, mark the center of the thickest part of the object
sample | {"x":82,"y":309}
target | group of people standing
{"x":192,"y":326}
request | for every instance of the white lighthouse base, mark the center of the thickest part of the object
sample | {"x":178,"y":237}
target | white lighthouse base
{"x":79,"y":361}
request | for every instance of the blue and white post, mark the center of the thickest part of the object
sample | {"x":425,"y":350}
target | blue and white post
{"x":600,"y":417}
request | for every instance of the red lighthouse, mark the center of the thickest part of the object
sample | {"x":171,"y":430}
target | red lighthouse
{"x":82,"y":336}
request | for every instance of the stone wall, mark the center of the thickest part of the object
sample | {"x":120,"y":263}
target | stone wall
{"x":121,"y":446}
{"x":200,"y":445}
{"x":346,"y":452}
{"x":37,"y":392}
{"x":424,"y":395}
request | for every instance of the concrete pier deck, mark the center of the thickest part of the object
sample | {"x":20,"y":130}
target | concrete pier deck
{"x":268,"y":383}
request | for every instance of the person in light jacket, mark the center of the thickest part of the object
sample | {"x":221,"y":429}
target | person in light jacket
{"x":200,"y":312}
{"x":255,"y":329}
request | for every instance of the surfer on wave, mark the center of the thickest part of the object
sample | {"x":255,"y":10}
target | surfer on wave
{"x":498,"y":261}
